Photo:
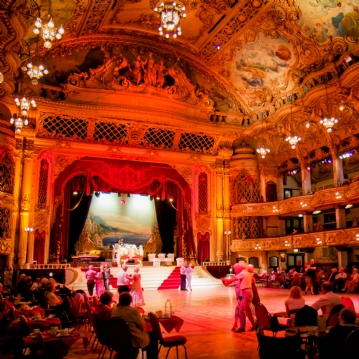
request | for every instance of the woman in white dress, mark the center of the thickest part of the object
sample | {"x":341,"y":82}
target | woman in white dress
{"x":136,"y":290}
{"x":189,"y":272}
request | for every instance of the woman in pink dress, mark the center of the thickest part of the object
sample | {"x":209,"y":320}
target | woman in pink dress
{"x":136,"y":290}
{"x":99,"y":282}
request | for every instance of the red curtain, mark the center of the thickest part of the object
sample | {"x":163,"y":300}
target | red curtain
{"x":203,"y":246}
{"x":108,"y":175}
{"x":39,"y":246}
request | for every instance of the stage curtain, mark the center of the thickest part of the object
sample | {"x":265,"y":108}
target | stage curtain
{"x":203,"y":246}
{"x":166,"y":218}
{"x":39,"y":246}
{"x":77,"y":217}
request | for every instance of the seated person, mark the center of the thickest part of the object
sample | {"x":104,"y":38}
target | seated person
{"x":294,"y":303}
{"x":136,"y":324}
{"x":333,"y":275}
{"x":327,"y":301}
{"x":104,"y":311}
{"x":55,"y":302}
{"x":339,"y":281}
{"x":333,"y":345}
{"x":351,"y":285}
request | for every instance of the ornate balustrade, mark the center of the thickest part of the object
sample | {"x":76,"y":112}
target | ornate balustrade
{"x":336,"y":237}
{"x":327,"y":197}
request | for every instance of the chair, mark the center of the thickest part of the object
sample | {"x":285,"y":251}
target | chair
{"x":347,"y":302}
{"x":351,"y":348}
{"x":333,"y":320}
{"x":161,"y":256}
{"x":334,"y":312}
{"x":119,"y":338}
{"x":101,"y":331}
{"x":264,"y":320}
{"x":306,"y":316}
{"x":25,"y":326}
{"x":92,"y":324}
{"x":278,"y":348}
{"x":166,"y":342}
{"x":78,"y":317}
{"x":171,"y":257}
{"x":151,"y":256}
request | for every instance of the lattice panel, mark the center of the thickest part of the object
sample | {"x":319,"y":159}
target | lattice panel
{"x":196,"y":143}
{"x":5,"y":223}
{"x":65,"y":127}
{"x":244,"y":189}
{"x":203,"y":193}
{"x":111,"y":132}
{"x":247,"y":227}
{"x":43,"y":180}
{"x":159,"y":138}
{"x":7,"y":175}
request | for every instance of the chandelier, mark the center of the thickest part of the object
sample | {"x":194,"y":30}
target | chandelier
{"x":48,"y":31}
{"x":21,"y":118}
{"x":293,"y":140}
{"x":170,"y":13}
{"x":328,"y":123}
{"x":35,"y":72}
{"x":263,"y":151}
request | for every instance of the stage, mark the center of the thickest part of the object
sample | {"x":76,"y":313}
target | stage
{"x":208,"y":319}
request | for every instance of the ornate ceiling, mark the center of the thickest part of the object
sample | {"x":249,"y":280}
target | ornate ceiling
{"x":259,"y":70}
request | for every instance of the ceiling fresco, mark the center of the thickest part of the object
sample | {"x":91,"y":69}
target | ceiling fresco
{"x":253,"y":62}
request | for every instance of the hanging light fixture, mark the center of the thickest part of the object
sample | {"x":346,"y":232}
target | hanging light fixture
{"x":328,"y":121}
{"x":262,"y":150}
{"x":292,"y":139}
{"x":48,"y":31}
{"x":20,"y":119}
{"x":170,"y":13}
{"x":35,"y":72}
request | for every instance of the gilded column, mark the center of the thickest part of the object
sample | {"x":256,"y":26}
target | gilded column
{"x":219,"y":207}
{"x":308,"y":223}
{"x":264,"y":260}
{"x":280,"y":187}
{"x":25,"y":205}
{"x":306,"y":180}
{"x":340,"y":217}
{"x":262,"y":181}
{"x":227,"y":208}
{"x":338,"y":172}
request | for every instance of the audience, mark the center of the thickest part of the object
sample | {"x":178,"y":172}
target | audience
{"x":294,"y":302}
{"x":327,"y":301}
{"x":104,"y":311}
{"x":333,"y":346}
{"x":339,"y":281}
{"x":351,"y":285}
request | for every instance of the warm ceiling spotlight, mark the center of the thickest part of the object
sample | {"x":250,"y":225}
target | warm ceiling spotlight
{"x":317,"y":211}
{"x":75,"y":193}
{"x":158,"y":198}
{"x":171,"y":199}
{"x":300,"y":215}
{"x":122,"y":201}
{"x":97,"y":194}
{"x":341,"y":107}
{"x":295,"y":250}
{"x":307,"y":124}
{"x":308,"y":168}
{"x":348,"y":206}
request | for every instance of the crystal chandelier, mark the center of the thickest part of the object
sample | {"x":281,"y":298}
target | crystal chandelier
{"x":328,"y":123}
{"x":293,"y":140}
{"x":170,"y":13}
{"x":21,"y":119}
{"x":48,"y":31}
{"x":263,"y":151}
{"x":35,"y":72}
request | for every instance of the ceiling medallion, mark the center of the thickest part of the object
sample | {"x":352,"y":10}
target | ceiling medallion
{"x":293,"y":140}
{"x":48,"y":31}
{"x":21,"y":118}
{"x":170,"y":13}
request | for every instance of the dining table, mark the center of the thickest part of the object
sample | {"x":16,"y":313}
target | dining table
{"x":168,"y":323}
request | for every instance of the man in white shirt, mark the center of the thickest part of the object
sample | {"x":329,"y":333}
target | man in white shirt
{"x":328,"y":300}
{"x":123,"y":280}
{"x":183,"y":274}
{"x":339,"y":281}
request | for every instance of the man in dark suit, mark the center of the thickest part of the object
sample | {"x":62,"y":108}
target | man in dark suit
{"x":333,"y":345}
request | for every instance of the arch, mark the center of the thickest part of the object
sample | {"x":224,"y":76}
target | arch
{"x":203,"y":246}
{"x":109,"y":175}
{"x":254,"y":261}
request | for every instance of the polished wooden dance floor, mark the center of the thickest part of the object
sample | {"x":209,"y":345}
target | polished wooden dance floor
{"x":208,"y":318}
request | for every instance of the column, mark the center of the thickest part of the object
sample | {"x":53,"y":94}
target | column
{"x":219,"y":214}
{"x":306,"y":180}
{"x":227,"y":214}
{"x":337,"y":170}
{"x":262,"y":181}
{"x":340,"y":217}
{"x":342,"y":257}
{"x":281,"y":226}
{"x":264,"y":260}
{"x":280,"y":187}
{"x":25,"y":206}
{"x":308,"y":222}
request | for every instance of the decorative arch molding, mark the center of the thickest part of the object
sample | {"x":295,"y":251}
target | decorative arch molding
{"x":109,"y":175}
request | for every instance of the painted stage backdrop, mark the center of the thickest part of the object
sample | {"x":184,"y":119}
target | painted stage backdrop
{"x":134,"y":220}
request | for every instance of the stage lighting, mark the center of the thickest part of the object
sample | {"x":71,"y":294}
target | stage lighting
{"x":97,"y":194}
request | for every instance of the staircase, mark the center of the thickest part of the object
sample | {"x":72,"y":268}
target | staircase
{"x":153,"y":278}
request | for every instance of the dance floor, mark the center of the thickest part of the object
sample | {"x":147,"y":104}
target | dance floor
{"x":208,"y":318}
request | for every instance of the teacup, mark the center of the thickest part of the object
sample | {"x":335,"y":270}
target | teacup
{"x":35,"y":331}
{"x":37,"y":316}
{"x":62,"y":333}
{"x":53,"y":330}
{"x":159,"y":313}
